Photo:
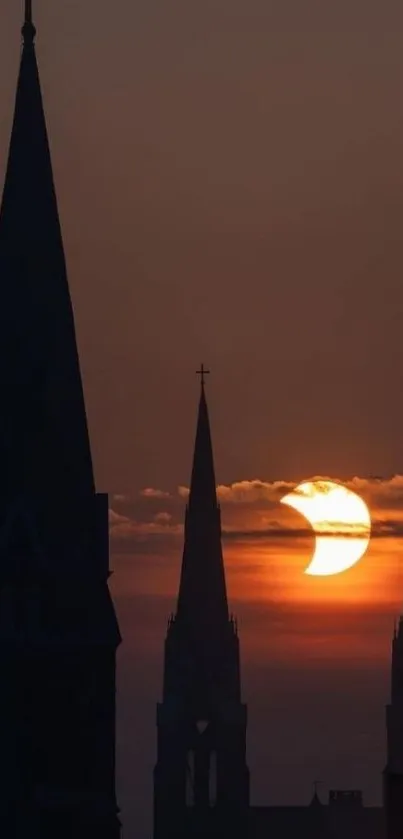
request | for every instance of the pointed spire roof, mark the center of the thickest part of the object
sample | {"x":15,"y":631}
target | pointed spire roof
{"x":202,"y":598}
{"x":203,"y":484}
{"x":43,"y":430}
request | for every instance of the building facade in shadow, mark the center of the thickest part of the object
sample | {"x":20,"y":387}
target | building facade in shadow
{"x":58,"y":631}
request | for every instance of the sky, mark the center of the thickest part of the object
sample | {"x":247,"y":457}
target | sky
{"x":315,"y":650}
{"x":230,"y":188}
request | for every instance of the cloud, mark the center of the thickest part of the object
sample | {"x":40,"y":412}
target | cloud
{"x":380,"y":530}
{"x":385,"y":492}
{"x":382,"y":492}
{"x":283,"y":533}
{"x":251,"y":512}
{"x":387,"y":529}
{"x":116,"y":518}
{"x":150,"y":492}
{"x":126,"y":532}
{"x":247,"y":492}
{"x":242,"y":492}
{"x":163,"y":518}
{"x":161,"y":523}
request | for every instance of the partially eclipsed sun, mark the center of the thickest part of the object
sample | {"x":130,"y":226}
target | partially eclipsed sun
{"x":340,"y":520}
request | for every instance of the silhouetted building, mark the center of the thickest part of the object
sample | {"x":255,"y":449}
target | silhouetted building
{"x":201,"y":780}
{"x":343,"y":817}
{"x":58,"y":631}
{"x":393,"y":772}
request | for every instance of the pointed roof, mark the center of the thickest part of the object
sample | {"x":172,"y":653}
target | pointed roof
{"x":202,"y":598}
{"x":43,"y":430}
{"x":203,"y":484}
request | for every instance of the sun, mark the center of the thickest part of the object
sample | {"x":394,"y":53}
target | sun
{"x":340,"y":520}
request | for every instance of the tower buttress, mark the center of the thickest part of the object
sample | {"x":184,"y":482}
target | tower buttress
{"x":201,"y":780}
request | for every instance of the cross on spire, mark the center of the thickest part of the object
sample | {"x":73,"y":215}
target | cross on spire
{"x":202,"y":373}
{"x":28,"y":29}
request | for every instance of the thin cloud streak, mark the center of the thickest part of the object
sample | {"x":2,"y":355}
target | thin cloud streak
{"x":246,"y":511}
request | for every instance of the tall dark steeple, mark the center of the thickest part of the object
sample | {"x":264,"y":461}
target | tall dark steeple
{"x":201,"y":780}
{"x":58,"y":631}
{"x":39,"y":368}
{"x":202,"y":598}
{"x":393,"y":772}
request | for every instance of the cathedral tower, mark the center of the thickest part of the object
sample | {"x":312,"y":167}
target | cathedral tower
{"x":393,"y":772}
{"x":201,"y":780}
{"x":58,"y":631}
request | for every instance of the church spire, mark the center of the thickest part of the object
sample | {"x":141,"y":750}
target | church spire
{"x":203,"y":485}
{"x":43,"y":430}
{"x":201,"y":779}
{"x":28,"y":30}
{"x":202,"y":592}
{"x":58,"y":629}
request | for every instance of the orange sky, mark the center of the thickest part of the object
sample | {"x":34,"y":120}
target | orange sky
{"x":313,"y":649}
{"x":267,"y":546}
